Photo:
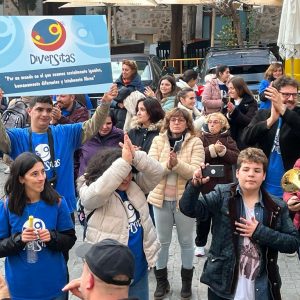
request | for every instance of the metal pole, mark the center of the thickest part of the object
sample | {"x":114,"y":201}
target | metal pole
{"x":213,"y":26}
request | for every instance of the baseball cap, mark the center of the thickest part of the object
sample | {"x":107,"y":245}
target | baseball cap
{"x":107,"y":259}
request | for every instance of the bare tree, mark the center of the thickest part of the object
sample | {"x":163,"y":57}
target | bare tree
{"x":23,"y":6}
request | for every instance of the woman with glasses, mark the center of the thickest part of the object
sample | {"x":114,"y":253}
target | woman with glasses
{"x":36,"y":228}
{"x":274,"y":71}
{"x":165,"y":93}
{"x":179,"y":152}
{"x":220,"y":149}
{"x":215,"y":90}
{"x":277,"y":131}
{"x":240,"y":109}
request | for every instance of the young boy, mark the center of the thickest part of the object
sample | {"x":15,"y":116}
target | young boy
{"x":249,"y":228}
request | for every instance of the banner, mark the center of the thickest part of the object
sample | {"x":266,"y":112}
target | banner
{"x":50,"y":55}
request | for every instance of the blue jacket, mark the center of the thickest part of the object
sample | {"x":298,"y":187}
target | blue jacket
{"x":265,"y":103}
{"x":274,"y":233}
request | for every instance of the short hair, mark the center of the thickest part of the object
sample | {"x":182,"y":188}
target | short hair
{"x":172,"y":80}
{"x":153,"y":109}
{"x":100,"y":162}
{"x":40,"y":99}
{"x":240,"y":86}
{"x":131,"y":64}
{"x":271,"y":69}
{"x":221,"y":117}
{"x":179,"y":112}
{"x":255,"y":155}
{"x":221,"y":69}
{"x":182,"y":94}
{"x":189,"y":75}
{"x":15,"y":190}
{"x":283,"y":81}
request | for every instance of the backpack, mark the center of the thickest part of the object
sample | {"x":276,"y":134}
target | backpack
{"x":83,"y":219}
{"x":15,"y":115}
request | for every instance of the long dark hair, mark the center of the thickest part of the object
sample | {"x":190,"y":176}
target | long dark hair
{"x":100,"y":162}
{"x":15,"y":190}
{"x":172,"y":80}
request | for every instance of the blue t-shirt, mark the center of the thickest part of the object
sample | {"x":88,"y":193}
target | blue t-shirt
{"x":262,"y":86}
{"x":275,"y":169}
{"x":135,"y":242}
{"x":67,"y":138}
{"x":44,"y":279}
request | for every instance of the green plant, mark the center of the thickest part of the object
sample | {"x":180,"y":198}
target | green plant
{"x":227,"y":36}
{"x":254,"y":31}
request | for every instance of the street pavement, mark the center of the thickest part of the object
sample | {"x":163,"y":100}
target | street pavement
{"x":289,"y":267}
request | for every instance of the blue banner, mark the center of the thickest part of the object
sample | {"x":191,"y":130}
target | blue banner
{"x":49,"y":55}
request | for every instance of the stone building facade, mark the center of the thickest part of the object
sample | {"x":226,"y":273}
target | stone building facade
{"x":154,"y":24}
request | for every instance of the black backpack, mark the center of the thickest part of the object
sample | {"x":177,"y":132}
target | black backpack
{"x":15,"y":115}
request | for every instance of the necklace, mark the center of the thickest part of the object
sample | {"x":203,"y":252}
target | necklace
{"x":35,"y":209}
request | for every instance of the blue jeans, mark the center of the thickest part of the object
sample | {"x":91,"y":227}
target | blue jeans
{"x":185,"y":226}
{"x":140,"y":290}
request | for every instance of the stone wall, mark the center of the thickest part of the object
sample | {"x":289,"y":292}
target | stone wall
{"x":10,"y":10}
{"x":156,"y":21}
{"x":146,"y":20}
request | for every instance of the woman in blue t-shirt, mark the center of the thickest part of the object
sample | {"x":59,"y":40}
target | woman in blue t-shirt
{"x":118,"y":208}
{"x":34,"y":265}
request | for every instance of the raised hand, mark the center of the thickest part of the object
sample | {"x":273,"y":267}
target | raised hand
{"x":198,"y":178}
{"x":111,"y":94}
{"x":149,"y":92}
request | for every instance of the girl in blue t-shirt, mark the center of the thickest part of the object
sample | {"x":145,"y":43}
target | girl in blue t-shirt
{"x":34,"y":265}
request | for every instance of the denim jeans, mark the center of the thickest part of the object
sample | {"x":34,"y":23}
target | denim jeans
{"x":140,"y":290}
{"x":165,"y":218}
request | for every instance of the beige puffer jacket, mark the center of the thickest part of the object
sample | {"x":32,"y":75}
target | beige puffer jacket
{"x":110,"y":220}
{"x":189,"y":159}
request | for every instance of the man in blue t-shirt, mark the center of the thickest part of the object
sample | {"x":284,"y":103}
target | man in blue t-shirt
{"x":55,"y":146}
{"x":277,"y":131}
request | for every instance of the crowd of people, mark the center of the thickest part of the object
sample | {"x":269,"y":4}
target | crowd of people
{"x":138,"y":165}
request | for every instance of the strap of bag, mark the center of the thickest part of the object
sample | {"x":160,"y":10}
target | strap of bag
{"x":52,"y":180}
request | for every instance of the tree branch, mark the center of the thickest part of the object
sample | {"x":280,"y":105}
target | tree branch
{"x":15,"y":4}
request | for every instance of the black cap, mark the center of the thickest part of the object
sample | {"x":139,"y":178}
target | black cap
{"x":107,"y":259}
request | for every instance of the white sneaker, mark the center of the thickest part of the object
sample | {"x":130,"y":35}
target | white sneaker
{"x":291,"y":254}
{"x":7,"y":170}
{"x":199,"y":251}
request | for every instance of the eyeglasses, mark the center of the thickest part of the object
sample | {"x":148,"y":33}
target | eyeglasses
{"x":214,"y":122}
{"x":288,"y":95}
{"x":179,"y":120}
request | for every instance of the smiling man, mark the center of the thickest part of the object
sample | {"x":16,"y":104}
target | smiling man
{"x":249,"y":228}
{"x":54,"y":144}
{"x":277,"y":131}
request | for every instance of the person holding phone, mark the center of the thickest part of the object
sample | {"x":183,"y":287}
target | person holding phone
{"x":220,"y":149}
{"x":180,"y":153}
{"x":249,"y":228}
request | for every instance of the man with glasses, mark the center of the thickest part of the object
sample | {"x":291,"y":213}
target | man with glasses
{"x":277,"y":131}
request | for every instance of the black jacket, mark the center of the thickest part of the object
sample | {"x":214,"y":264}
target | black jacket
{"x":241,"y":117}
{"x":275,"y":233}
{"x":257,"y":134}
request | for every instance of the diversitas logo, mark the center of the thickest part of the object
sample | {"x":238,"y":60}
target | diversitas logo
{"x":48,"y":35}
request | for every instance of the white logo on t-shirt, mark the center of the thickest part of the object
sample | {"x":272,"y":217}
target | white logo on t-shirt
{"x":37,"y":224}
{"x":134,"y":223}
{"x":43,"y":151}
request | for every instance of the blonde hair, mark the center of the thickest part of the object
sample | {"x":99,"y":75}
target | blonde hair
{"x":271,"y":69}
{"x":222,"y":119}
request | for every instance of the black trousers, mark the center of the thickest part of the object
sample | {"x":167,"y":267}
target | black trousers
{"x":202,"y":232}
{"x":212,"y":296}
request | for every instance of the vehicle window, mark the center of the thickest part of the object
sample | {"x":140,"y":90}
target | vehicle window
{"x":248,"y":69}
{"x":143,"y":69}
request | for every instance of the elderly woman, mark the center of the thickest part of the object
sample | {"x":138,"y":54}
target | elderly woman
{"x":179,"y":152}
{"x":119,"y":207}
{"x":215,"y":89}
{"x":165,"y":93}
{"x":241,"y":108}
{"x":128,"y":82}
{"x":220,"y":149}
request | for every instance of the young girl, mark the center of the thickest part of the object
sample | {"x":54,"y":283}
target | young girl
{"x":44,"y":274}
